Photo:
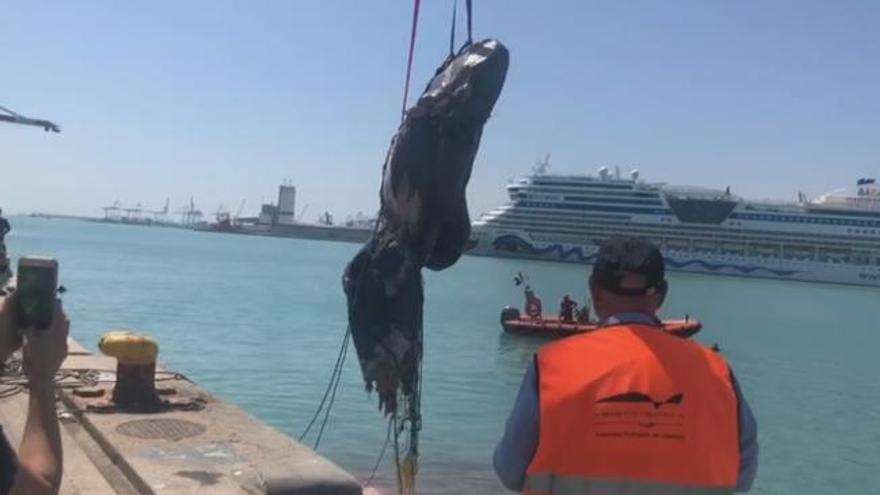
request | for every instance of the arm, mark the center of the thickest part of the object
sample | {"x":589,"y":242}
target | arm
{"x":517,"y":447}
{"x":40,"y":456}
{"x":748,"y":441}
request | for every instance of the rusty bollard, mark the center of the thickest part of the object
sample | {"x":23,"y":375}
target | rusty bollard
{"x":135,"y":354}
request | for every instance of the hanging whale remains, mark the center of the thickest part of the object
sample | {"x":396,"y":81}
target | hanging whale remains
{"x":423,"y":220}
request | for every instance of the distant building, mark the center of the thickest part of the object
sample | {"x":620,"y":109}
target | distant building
{"x":282,"y":213}
{"x":268,"y":215}
{"x":286,"y":205}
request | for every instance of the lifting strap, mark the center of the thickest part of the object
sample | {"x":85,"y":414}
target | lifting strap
{"x":409,"y":59}
{"x":452,"y":31}
{"x":470,"y":40}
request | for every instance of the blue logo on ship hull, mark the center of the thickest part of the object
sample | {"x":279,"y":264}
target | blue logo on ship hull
{"x":512,"y":243}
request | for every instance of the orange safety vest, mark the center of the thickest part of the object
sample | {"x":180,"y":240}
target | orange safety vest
{"x":631,"y":409}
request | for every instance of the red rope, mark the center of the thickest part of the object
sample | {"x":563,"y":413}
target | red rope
{"x":412,"y":46}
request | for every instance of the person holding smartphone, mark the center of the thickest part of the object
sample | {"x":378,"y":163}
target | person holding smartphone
{"x":4,"y":227}
{"x":4,"y":261}
{"x":36,"y":468}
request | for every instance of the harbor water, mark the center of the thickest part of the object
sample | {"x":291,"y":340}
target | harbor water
{"x":259,"y":321}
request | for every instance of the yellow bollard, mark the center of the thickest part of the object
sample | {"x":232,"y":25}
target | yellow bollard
{"x":135,"y":354}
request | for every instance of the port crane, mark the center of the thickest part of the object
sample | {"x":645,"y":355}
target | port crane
{"x":7,"y":115}
{"x":134,"y":214}
{"x":160,"y":215}
{"x":226,"y":217}
{"x":240,"y":209}
{"x":190,"y":215}
{"x":113,"y":211}
{"x":221,"y":213}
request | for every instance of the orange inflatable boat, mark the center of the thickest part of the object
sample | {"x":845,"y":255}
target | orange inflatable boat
{"x":551,"y":326}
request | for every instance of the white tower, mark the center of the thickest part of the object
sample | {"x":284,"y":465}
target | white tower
{"x":286,"y":204}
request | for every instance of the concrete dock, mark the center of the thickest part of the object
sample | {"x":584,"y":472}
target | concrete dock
{"x":203,"y":445}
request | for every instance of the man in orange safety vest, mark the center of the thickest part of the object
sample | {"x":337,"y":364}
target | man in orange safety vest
{"x":628,"y":409}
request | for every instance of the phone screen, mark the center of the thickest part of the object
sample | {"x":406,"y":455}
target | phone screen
{"x":37,"y":281}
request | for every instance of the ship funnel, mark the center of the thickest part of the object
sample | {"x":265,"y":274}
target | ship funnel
{"x":603,"y":173}
{"x":634,"y":173}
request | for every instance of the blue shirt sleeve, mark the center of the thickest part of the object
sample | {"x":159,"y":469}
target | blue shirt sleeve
{"x":514,"y":452}
{"x":748,"y":441}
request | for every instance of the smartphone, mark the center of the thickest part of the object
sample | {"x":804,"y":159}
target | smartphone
{"x":36,"y":286}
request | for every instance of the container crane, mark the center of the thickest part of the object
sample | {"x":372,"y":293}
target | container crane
{"x":160,"y":215}
{"x":112,"y":212}
{"x":190,"y":215}
{"x":7,"y":115}
{"x":238,"y":212}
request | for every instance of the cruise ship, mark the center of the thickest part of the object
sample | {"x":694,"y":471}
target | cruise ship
{"x":835,"y":238}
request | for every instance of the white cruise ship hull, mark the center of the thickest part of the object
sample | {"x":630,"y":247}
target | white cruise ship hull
{"x":519,"y":244}
{"x":563,"y":218}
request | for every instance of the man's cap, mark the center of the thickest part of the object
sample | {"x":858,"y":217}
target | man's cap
{"x":619,"y":257}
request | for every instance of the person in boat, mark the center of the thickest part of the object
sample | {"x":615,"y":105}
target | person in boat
{"x":533,"y":304}
{"x":564,"y":436}
{"x":583,"y":314}
{"x":566,"y":308}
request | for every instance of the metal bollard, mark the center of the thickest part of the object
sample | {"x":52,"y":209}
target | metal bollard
{"x":135,"y":354}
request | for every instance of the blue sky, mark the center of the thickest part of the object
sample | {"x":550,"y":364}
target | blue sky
{"x":223,"y":99}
